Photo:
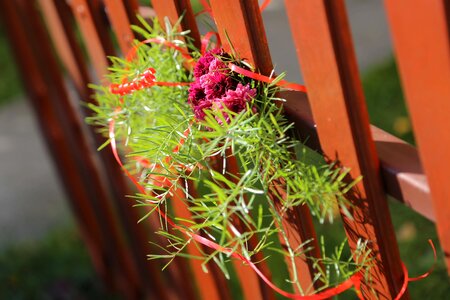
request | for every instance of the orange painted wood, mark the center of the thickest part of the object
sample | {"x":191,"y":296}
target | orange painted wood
{"x":206,"y":284}
{"x":174,"y":9}
{"x":47,"y":117}
{"x":118,"y":17}
{"x":323,"y":41}
{"x":420,"y":31}
{"x":62,"y":126}
{"x":137,"y":234}
{"x":402,"y":173}
{"x":93,"y":42}
{"x":64,"y":42}
{"x":241,"y":21}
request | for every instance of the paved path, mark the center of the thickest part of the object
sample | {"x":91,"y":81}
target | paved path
{"x":31,"y":200}
{"x":369,"y":30}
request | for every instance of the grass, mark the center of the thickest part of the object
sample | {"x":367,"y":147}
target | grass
{"x":10,"y":83}
{"x":56,"y":267}
{"x":387,"y":110}
{"x":385,"y":101}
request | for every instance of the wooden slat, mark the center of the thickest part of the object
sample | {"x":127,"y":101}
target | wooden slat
{"x":322,"y":37}
{"x":64,"y":42}
{"x":120,"y":23}
{"x":241,"y":21}
{"x":402,"y":172}
{"x":62,"y":126}
{"x":173,"y":10}
{"x":57,"y":143}
{"x":421,"y":34}
{"x":138,"y":234}
{"x":93,"y":42}
{"x":206,"y":283}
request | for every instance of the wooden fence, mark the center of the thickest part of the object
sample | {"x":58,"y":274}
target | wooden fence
{"x":53,"y":61}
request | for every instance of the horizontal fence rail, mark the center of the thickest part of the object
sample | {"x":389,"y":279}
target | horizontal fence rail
{"x":332,"y":118}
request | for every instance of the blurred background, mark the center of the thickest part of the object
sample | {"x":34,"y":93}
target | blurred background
{"x":41,"y":253}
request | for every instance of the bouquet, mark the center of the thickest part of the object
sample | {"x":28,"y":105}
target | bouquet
{"x":203,"y":130}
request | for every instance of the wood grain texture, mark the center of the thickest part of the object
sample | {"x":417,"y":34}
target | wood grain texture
{"x":174,"y":9}
{"x":242,"y":23}
{"x":323,"y":41}
{"x":57,"y":18}
{"x":420,"y":31}
{"x":75,"y":159}
{"x":92,"y":37}
{"x":136,"y":235}
{"x":117,"y":13}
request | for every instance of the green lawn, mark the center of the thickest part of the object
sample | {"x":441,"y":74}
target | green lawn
{"x":56,"y":267}
{"x":10,"y":84}
{"x":387,"y":110}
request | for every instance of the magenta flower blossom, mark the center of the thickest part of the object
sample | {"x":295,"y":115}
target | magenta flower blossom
{"x":215,"y":89}
{"x":202,"y":65}
{"x":235,"y":100}
{"x":215,"y":84}
{"x":199,"y":109}
{"x":216,"y":65}
{"x":196,"y":93}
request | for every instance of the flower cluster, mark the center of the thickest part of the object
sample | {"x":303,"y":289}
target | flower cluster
{"x":214,"y":88}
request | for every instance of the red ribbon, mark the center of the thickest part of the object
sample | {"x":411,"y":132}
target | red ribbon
{"x":161,"y":41}
{"x":406,"y":277}
{"x":259,"y":77}
{"x":145,"y":80}
{"x":148,"y":79}
{"x":207,"y":38}
{"x":354,"y":280}
{"x":264,"y":5}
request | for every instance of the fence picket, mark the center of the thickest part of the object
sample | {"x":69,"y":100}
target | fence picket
{"x":93,"y":42}
{"x":120,"y":23}
{"x":323,"y":41}
{"x":420,"y":31}
{"x":57,"y":19}
{"x":208,"y":284}
{"x":74,"y":152}
{"x":173,"y":10}
{"x":241,"y":21}
{"x":97,"y":188}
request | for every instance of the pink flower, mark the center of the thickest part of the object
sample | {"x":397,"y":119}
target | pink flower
{"x":199,"y":109}
{"x":218,"y":65}
{"x":214,"y":87}
{"x":196,"y":93}
{"x":202,"y":65}
{"x":215,"y":84}
{"x":236,"y":100}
